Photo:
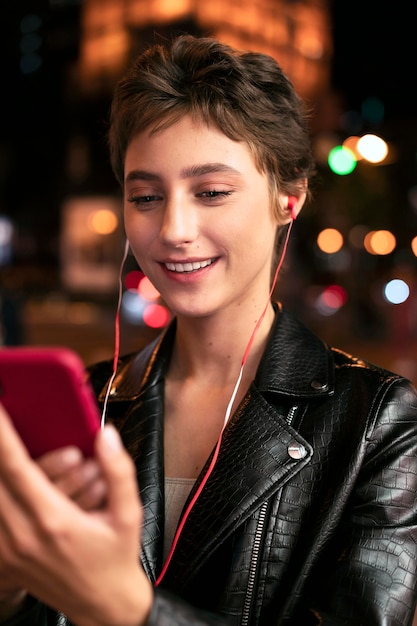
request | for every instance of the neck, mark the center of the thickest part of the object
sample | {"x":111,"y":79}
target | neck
{"x":213,"y":348}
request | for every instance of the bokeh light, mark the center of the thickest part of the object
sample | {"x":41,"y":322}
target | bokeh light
{"x":147,"y":290}
{"x":330,"y":240}
{"x":373,"y":148}
{"x":341,"y":160}
{"x":380,"y":242}
{"x":139,"y":304}
{"x":133,"y":307}
{"x":357,"y":235}
{"x":396,"y":291}
{"x":132,"y":279}
{"x":6,"y":238}
{"x":414,"y":245}
{"x":331,"y":299}
{"x":156,"y":316}
{"x":373,"y":110}
{"x":103,"y":222}
{"x":351,"y":143}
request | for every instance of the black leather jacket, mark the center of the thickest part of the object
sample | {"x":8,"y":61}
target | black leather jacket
{"x":310,"y":515}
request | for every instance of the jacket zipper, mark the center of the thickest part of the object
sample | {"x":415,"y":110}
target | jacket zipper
{"x":254,"y":564}
{"x":257,"y":546}
{"x":291,"y":414}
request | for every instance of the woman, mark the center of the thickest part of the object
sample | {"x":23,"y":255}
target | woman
{"x":277,"y":475}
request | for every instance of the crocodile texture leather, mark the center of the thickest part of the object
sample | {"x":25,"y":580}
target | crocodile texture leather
{"x":310,"y":514}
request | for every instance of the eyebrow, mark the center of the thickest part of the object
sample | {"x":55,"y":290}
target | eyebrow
{"x":188,"y":172}
{"x":207,"y":168}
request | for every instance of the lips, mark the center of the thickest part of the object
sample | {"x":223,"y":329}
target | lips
{"x":187,"y":267}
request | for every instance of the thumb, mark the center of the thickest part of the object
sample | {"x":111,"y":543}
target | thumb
{"x":120,"y":474}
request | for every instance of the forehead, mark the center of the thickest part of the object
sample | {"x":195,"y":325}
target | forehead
{"x":185,"y":143}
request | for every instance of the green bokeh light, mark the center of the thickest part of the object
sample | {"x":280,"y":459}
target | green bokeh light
{"x":341,"y":160}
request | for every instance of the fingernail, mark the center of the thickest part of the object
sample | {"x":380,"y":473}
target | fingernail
{"x":112,"y":438}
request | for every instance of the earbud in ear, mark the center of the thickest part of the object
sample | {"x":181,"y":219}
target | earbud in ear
{"x":291,"y":204}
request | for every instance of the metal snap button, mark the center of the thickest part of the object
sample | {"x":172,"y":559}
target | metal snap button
{"x":317,"y":385}
{"x":296,"y":450}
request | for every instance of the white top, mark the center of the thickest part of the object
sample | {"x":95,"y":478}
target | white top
{"x":177,"y":491}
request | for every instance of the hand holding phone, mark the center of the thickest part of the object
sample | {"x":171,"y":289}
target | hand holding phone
{"x":46,"y":392}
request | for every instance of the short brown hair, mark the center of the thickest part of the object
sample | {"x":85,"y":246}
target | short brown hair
{"x":245,"y":94}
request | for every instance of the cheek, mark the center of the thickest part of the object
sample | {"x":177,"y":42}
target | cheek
{"x":129,"y":229}
{"x":263,"y":225}
{"x":135,"y":225}
{"x":137,"y":236}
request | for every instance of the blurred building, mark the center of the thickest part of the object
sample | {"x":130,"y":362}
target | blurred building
{"x":64,"y":58}
{"x":60,"y":204}
{"x":297,"y":33}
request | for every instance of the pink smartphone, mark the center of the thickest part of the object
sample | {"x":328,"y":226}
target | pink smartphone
{"x":47,"y":394}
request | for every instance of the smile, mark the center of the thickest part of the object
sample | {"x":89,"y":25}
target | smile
{"x":188,"y":267}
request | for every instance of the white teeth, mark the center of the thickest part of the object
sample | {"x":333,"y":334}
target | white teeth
{"x":188,"y":267}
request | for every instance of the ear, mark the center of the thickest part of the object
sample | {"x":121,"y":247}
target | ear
{"x":293,"y":204}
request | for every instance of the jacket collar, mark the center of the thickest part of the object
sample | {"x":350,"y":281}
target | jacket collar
{"x":295,"y":363}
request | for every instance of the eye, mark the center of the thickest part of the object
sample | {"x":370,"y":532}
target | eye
{"x":142,"y":201}
{"x":213,"y":193}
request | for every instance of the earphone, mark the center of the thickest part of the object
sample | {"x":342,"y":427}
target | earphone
{"x":291,"y":204}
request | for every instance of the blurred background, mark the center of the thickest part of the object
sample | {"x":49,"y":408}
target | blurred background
{"x":351,"y":268}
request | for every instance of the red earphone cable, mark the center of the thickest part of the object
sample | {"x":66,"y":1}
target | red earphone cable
{"x":274,"y":282}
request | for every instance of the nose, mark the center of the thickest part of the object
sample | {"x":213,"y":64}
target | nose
{"x":179,"y":224}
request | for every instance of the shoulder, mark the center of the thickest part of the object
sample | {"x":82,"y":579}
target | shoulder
{"x":298,"y":362}
{"x":389,"y":395}
{"x":356,"y":368}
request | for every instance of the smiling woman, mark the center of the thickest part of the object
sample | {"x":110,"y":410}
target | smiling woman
{"x":194,"y":224}
{"x":270,"y":466}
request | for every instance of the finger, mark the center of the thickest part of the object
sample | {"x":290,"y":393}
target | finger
{"x":22,"y":480}
{"x":14,"y":457}
{"x":92,"y":497}
{"x":119,"y":470}
{"x":16,"y":485}
{"x":58,"y":463}
{"x":78,"y":478}
{"x":10,"y":438}
{"x":84,"y":484}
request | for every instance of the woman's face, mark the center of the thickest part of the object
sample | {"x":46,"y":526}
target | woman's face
{"x":198,"y":219}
